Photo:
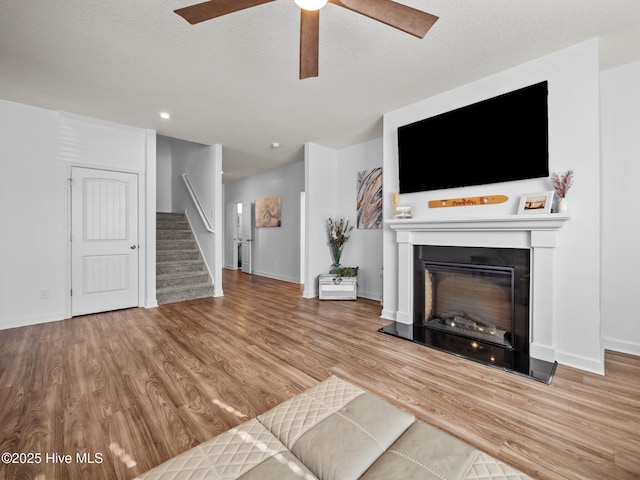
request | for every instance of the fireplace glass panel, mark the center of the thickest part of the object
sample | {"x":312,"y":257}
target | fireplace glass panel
{"x":470,"y":300}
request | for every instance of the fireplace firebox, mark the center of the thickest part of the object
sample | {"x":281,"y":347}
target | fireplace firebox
{"x":474,"y":302}
{"x":474,"y":292}
{"x":471,"y":301}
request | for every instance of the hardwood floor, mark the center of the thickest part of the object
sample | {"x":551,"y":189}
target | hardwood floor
{"x":132,"y":388}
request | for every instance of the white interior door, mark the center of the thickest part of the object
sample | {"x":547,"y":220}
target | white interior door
{"x":247,"y":229}
{"x":231,"y":235}
{"x":237,"y":235}
{"x":104,"y":240}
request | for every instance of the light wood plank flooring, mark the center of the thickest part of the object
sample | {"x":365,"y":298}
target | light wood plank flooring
{"x":140,"y":386}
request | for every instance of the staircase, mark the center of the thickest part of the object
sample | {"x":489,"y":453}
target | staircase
{"x":181,"y":273}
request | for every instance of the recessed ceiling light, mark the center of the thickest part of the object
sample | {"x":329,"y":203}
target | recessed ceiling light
{"x":275,"y":145}
{"x":165,"y":115}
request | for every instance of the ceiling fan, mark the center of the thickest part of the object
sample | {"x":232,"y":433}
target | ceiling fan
{"x":397,"y":15}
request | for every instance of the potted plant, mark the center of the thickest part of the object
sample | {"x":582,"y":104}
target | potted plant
{"x":338,"y":231}
{"x":346,"y":272}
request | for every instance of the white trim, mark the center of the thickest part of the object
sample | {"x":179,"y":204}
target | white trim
{"x":309,"y":293}
{"x":388,"y":315}
{"x":149,"y":218}
{"x":580,"y":362}
{"x":529,"y":222}
{"x":369,"y":295}
{"x":35,"y":320}
{"x":275,"y":276}
{"x":142,"y":238}
{"x":621,"y":346}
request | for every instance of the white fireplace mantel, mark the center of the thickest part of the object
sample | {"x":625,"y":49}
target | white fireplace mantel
{"x":531,"y":222}
{"x":537,"y":232}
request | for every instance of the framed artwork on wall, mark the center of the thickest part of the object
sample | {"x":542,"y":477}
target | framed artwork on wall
{"x":369,"y":199}
{"x":268,"y":212}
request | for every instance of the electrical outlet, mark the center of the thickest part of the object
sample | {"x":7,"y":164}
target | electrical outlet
{"x":44,"y":293}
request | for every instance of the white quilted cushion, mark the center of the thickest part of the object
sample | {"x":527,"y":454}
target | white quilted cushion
{"x":225,"y":457}
{"x":485,"y":467}
{"x":291,"y":419}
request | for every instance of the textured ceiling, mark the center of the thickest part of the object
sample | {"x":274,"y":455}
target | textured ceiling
{"x":234,"y":80}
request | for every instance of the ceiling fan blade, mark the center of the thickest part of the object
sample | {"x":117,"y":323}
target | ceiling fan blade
{"x":405,"y":18}
{"x":215,"y":8}
{"x":309,"y":40}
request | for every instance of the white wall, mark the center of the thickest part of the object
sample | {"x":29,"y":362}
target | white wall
{"x":38,"y":148}
{"x":196,"y":161}
{"x":321,"y":174}
{"x":331,"y":191}
{"x":620,"y":120}
{"x":91,"y":142}
{"x":276,"y":250}
{"x":573,"y":143}
{"x":364,"y":248}
{"x":33,"y":220}
{"x":164,"y":175}
{"x":148,"y":218}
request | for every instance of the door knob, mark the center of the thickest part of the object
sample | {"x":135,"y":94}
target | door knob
{"x":133,"y":247}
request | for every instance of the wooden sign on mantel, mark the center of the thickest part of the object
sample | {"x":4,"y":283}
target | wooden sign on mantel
{"x":467,"y":201}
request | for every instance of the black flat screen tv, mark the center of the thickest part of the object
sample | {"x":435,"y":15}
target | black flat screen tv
{"x":500,"y":139}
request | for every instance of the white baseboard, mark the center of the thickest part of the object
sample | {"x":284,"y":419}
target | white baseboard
{"x":275,"y":276}
{"x":310,"y":293}
{"x":621,"y":346}
{"x":542,"y":352}
{"x":369,"y":295}
{"x":581,"y":363}
{"x":388,"y":315}
{"x":24,"y":322}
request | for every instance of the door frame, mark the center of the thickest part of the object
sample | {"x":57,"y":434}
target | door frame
{"x":237,"y":241}
{"x":248,"y":220}
{"x":143,"y":239}
{"x":232,"y":236}
{"x":303,"y":239}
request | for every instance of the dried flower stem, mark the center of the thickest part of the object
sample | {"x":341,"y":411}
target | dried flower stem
{"x":338,"y":231}
{"x":562,"y":182}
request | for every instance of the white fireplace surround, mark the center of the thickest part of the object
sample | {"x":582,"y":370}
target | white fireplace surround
{"x":536,"y":232}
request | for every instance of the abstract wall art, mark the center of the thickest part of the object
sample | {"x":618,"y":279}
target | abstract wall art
{"x":268,"y":212}
{"x":369,"y":200}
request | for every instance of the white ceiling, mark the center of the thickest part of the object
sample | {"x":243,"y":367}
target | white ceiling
{"x":234,"y":80}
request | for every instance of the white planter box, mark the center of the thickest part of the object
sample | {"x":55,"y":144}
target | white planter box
{"x":333,"y":288}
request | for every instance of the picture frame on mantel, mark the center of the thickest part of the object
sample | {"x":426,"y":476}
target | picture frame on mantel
{"x":403,"y":211}
{"x":539,"y":202}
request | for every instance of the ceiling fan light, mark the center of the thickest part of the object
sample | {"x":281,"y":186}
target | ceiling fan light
{"x":311,"y":5}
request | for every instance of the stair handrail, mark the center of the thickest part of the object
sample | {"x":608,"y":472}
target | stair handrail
{"x":196,"y":201}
